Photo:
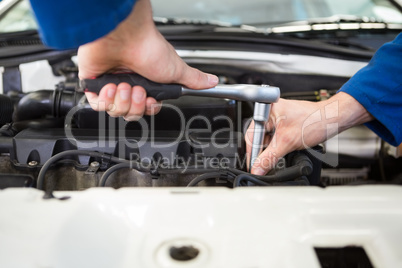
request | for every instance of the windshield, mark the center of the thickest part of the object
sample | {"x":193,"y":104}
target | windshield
{"x":259,"y":13}
{"x":18,"y":18}
{"x":274,"y":12}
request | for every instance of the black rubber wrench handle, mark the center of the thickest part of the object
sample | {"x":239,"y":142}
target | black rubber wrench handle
{"x":155,"y":90}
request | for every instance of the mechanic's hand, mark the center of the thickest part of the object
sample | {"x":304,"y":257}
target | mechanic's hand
{"x":296,"y":125}
{"x":135,"y":45}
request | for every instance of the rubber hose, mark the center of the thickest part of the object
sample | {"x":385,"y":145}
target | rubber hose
{"x":250,"y":178}
{"x":57,"y":157}
{"x":41,"y":103}
{"x":111,"y":170}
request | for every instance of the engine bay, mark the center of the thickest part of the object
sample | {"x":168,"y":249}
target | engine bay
{"x":192,"y":141}
{"x":52,"y":139}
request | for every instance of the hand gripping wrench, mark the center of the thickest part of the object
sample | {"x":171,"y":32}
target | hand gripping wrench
{"x":263,"y":96}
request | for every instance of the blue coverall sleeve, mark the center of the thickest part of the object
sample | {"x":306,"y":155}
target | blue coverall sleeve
{"x":378,"y":87}
{"x":69,"y":24}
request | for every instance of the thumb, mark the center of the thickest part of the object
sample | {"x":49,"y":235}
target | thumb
{"x":195,"y":79}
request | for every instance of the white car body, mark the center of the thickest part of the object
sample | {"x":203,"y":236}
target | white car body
{"x":271,"y":227}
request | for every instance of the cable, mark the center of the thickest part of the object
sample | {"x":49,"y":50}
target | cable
{"x":303,"y":167}
{"x":287,"y":174}
{"x":206,"y":176}
{"x":250,"y":178}
{"x":55,"y":158}
{"x":111,"y":170}
{"x":241,"y":176}
{"x":282,"y":175}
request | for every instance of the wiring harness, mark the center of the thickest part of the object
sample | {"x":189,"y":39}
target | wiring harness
{"x":295,"y":174}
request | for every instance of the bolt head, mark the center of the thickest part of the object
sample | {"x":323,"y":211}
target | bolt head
{"x":33,"y":163}
{"x":94,"y":164}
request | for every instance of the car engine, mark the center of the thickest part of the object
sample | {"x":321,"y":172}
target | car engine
{"x":53,"y":140}
{"x":192,"y":141}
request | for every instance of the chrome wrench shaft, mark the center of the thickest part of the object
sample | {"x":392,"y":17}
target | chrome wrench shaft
{"x":260,"y":117}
